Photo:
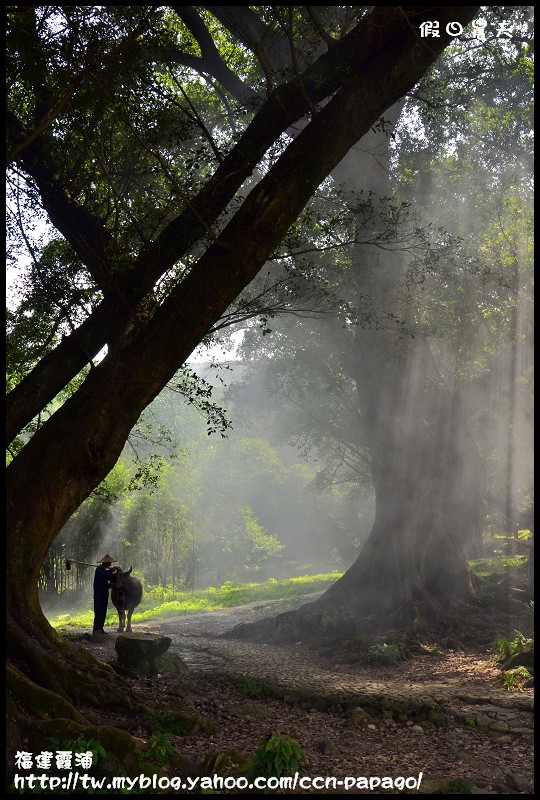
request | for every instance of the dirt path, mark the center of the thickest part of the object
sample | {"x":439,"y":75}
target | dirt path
{"x":217,"y":622}
{"x":193,"y":635}
{"x":439,"y":715}
{"x":458,"y":678}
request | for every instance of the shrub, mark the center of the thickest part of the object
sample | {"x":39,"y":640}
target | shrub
{"x":159,"y":747}
{"x":458,"y":786}
{"x":503,"y":647}
{"x":278,"y":755}
{"x":384,"y":653}
{"x":513,"y":679}
{"x":254,"y":688}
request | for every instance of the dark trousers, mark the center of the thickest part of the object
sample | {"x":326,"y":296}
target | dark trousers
{"x":100,"y":612}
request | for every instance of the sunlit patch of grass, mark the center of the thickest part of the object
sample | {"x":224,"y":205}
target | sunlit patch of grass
{"x":497,"y":564}
{"x":523,"y":533}
{"x":164,"y":601}
{"x":513,"y":679}
{"x":173,"y":608}
{"x":507,"y":544}
{"x":83,"y":619}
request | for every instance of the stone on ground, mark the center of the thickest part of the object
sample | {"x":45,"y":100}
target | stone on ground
{"x":139,"y":651}
{"x":171,"y":665}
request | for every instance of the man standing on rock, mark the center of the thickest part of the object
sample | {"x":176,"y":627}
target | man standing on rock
{"x":102,"y":581}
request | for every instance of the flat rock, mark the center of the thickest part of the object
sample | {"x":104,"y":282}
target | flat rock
{"x":134,"y":647}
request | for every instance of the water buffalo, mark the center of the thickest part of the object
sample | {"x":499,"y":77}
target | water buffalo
{"x":126,"y":594}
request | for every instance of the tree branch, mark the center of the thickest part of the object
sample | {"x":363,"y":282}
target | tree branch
{"x":85,"y":436}
{"x":270,"y":48}
{"x":85,"y":232}
{"x":211,"y":60}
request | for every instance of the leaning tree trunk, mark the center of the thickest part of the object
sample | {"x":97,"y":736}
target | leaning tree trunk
{"x":54,"y":688}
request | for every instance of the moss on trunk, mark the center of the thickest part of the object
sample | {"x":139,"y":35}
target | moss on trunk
{"x":56,"y":691}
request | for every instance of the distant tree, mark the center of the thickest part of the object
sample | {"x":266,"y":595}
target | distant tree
{"x":410,"y":374}
{"x":222,"y":508}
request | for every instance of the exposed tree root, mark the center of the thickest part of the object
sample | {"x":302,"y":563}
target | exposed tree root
{"x":49,"y":680}
{"x":331,"y":621}
{"x":37,"y":718}
{"x":24,"y":693}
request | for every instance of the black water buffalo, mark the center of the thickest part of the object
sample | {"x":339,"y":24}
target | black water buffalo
{"x":126,"y":594}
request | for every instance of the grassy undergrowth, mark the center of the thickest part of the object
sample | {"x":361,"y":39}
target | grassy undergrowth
{"x":497,"y":565}
{"x":505,"y":555}
{"x":164,"y":601}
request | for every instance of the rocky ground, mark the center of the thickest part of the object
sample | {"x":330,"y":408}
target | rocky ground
{"x":437,"y":714}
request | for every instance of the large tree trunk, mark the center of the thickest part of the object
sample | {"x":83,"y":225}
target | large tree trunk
{"x":424,"y":492}
{"x":422,"y":465}
{"x":412,"y":566}
{"x":423,"y":460}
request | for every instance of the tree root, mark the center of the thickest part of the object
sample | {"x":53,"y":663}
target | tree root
{"x":47,"y":686}
{"x":22,"y":692}
{"x":39,"y":719}
{"x":334,"y":619}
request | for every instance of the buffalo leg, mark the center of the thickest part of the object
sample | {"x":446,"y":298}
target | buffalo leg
{"x":121,"y":621}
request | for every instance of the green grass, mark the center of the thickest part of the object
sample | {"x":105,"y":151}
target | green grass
{"x":523,"y":535}
{"x":497,"y":564}
{"x":513,"y":679}
{"x":159,"y":602}
{"x":508,"y":554}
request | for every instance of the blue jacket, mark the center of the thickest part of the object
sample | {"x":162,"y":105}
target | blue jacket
{"x":102,"y":579}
